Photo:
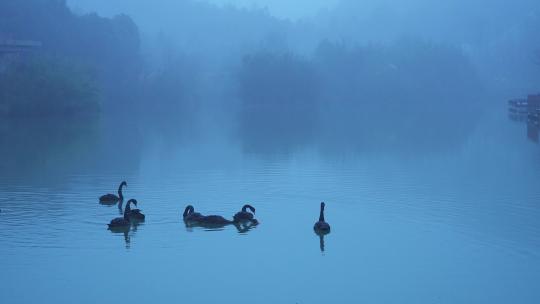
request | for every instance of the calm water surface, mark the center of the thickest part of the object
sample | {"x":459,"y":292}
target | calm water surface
{"x":458,"y":226}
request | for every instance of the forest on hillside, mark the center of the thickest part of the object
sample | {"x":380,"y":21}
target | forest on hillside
{"x":82,"y":59}
{"x":276,"y":82}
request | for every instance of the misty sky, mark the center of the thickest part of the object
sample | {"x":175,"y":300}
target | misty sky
{"x":281,"y":8}
{"x":286,"y":8}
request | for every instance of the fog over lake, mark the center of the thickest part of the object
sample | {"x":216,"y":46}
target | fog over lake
{"x":395,"y":115}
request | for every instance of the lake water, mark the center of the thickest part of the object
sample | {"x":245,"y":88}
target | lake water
{"x":454,"y":226}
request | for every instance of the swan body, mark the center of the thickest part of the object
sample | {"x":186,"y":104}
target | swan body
{"x":210,"y":222}
{"x":119,"y":222}
{"x":190,"y":215}
{"x":135,"y":214}
{"x":244,"y":215}
{"x":214,"y":220}
{"x":123,"y":222}
{"x":111,"y":198}
{"x":195,"y":219}
{"x":321,"y":226}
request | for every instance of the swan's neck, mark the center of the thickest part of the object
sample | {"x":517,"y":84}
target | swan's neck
{"x":120,"y":195}
{"x":321,"y":216}
{"x":244,"y":209}
{"x":126,"y":212}
{"x":187,"y":211}
{"x":128,"y":208}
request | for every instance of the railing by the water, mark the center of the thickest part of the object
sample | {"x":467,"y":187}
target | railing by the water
{"x":527,"y":110}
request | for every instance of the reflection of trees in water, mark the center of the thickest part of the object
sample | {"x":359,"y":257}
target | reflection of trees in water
{"x":280,"y":100}
{"x":33,"y":145}
{"x":533,"y":131}
{"x":409,"y":96}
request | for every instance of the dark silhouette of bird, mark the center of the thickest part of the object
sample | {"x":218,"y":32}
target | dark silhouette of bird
{"x":111,"y":198}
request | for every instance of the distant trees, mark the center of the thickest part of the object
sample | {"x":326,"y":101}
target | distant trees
{"x":280,"y":97}
{"x":408,"y":93}
{"x":45,"y":87}
{"x":172,"y":89}
{"x":105,"y":50}
{"x":110,"y":44}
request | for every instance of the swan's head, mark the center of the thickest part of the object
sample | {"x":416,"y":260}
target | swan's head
{"x":247,"y":206}
{"x":123,"y":184}
{"x":322,"y":205}
{"x":189,"y":209}
{"x":133,"y":201}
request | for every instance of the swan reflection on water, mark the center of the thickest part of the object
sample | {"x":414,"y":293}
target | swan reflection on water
{"x":321,"y":239}
{"x":127,"y":231}
{"x":241,"y":227}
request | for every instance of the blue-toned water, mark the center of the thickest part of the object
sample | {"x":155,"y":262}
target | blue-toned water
{"x":455,"y":226}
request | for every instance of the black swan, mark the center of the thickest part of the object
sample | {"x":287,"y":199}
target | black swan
{"x":214,"y":220}
{"x":244,"y":215}
{"x":321,"y":226}
{"x":190,"y":215}
{"x":111,"y":198}
{"x":209,"y":222}
{"x":122,"y":222}
{"x":134,"y":213}
{"x":195,"y":219}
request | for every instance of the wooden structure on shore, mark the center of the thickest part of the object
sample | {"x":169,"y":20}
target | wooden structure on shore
{"x":527,"y":110}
